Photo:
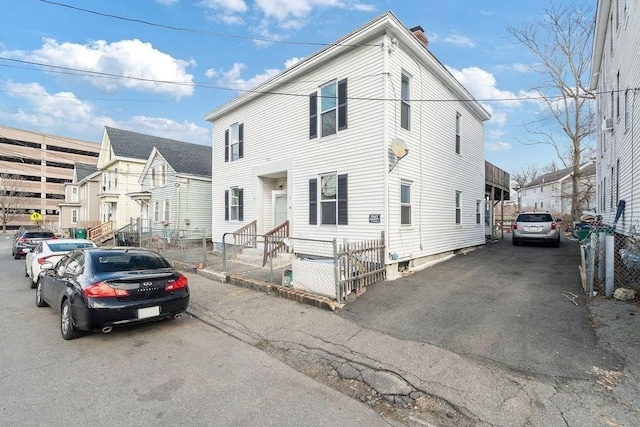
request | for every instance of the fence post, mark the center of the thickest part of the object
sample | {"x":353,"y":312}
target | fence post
{"x":336,"y":268}
{"x":609,"y":279}
{"x":204,"y":247}
{"x":224,"y":253}
{"x":601,"y":255}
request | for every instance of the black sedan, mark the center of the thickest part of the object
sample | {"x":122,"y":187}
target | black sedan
{"x":96,"y":289}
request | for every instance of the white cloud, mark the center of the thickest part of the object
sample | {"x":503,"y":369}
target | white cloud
{"x":59,"y":112}
{"x":146,"y":69}
{"x":496,"y":133}
{"x":233,"y":77}
{"x":237,"y":6}
{"x":483,"y":86}
{"x":498,"y":146}
{"x":165,"y":128}
{"x":458,"y":40}
{"x":283,"y":10}
{"x":167,"y":2}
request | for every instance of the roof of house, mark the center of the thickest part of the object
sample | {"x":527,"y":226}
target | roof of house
{"x":588,"y":169}
{"x":386,"y":23}
{"x":83,"y":170}
{"x":184,"y":157}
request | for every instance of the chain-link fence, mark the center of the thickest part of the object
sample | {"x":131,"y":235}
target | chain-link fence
{"x":185,"y":245}
{"x":610,"y":260}
{"x":322,"y":267}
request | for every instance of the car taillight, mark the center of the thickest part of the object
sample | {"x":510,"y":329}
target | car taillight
{"x":554,"y":225}
{"x":44,"y":260}
{"x":515,"y":225}
{"x":103,"y":290}
{"x":21,"y":239}
{"x":179,"y":283}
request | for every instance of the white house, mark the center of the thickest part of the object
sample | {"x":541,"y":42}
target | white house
{"x":615,"y":80}
{"x":553,"y":191}
{"x":369,"y":135}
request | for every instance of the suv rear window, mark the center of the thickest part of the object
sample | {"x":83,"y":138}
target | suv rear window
{"x":534,"y":218}
{"x":38,"y":235}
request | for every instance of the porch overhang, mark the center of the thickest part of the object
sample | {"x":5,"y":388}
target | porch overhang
{"x":108,"y":198}
{"x":140,"y":196}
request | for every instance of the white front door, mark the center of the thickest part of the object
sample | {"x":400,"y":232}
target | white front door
{"x":279,"y":204}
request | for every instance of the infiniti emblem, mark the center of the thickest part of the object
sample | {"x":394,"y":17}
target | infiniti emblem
{"x":147,"y":284}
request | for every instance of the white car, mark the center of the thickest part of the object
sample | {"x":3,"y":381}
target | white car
{"x":50,"y":251}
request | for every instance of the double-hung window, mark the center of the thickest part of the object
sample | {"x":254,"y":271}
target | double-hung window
{"x":405,"y":107}
{"x":74,"y":216}
{"x":458,"y":207}
{"x":74,"y":194}
{"x":478,"y":211}
{"x":233,"y":204}
{"x":234,"y":142}
{"x":332,"y":111}
{"x":329,"y":201}
{"x":405,"y":203}
{"x":458,"y":118}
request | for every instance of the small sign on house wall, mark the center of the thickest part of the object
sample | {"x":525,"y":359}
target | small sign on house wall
{"x":374,"y":218}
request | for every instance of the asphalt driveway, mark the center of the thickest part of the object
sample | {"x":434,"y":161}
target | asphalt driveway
{"x":499,"y":304}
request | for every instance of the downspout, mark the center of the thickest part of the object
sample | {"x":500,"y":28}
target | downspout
{"x":385,"y":139}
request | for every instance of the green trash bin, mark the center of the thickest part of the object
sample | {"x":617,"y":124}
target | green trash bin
{"x":582,"y":233}
{"x":81,"y":233}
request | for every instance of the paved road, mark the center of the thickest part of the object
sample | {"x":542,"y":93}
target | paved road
{"x":165,"y":373}
{"x":500,"y":304}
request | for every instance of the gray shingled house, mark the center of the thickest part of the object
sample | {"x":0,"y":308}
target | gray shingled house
{"x":162,"y":181}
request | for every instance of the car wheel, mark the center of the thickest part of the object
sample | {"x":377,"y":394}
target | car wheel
{"x":67,"y":329}
{"x":33,"y":284}
{"x":26,"y":273}
{"x":556,"y":244}
{"x":16,"y":256}
{"x":39,"y":301}
{"x":514,"y":241}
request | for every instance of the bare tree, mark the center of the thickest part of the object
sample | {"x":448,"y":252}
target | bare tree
{"x":9,"y":198}
{"x":560,"y":41}
{"x":525,"y":175}
{"x":551,"y":167}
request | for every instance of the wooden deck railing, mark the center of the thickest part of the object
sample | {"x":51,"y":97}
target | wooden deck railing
{"x":101,"y":232}
{"x":273,"y":241}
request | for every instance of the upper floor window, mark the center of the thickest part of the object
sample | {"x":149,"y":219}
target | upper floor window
{"x":458,"y":118}
{"x":626,"y":109}
{"x":333,"y":109}
{"x":159,"y":175}
{"x":618,"y":95}
{"x":234,"y":204}
{"x":405,"y":203}
{"x":405,"y":107}
{"x":74,"y":194}
{"x":234,"y":142}
{"x":333,"y":200}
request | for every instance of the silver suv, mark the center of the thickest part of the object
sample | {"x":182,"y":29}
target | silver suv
{"x":536,"y":227}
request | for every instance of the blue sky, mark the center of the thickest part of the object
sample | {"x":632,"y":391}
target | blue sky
{"x":216,"y":47}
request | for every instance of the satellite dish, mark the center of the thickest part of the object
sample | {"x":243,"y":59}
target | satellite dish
{"x":399,"y":147}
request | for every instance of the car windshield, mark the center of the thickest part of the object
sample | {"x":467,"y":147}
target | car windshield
{"x":535,"y":218}
{"x":104,"y":262}
{"x":68,"y":246}
{"x":38,"y":235}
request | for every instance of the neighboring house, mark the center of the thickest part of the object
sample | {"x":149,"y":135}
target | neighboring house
{"x":124,"y":156}
{"x":176,"y":188}
{"x":345,"y":144}
{"x":88,"y":179}
{"x":552,"y":192}
{"x":70,"y":210}
{"x":615,"y":81}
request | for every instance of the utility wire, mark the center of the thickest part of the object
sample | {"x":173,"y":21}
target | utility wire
{"x":212,"y":33}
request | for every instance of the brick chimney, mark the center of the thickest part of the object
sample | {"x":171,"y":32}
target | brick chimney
{"x":418,"y":32}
